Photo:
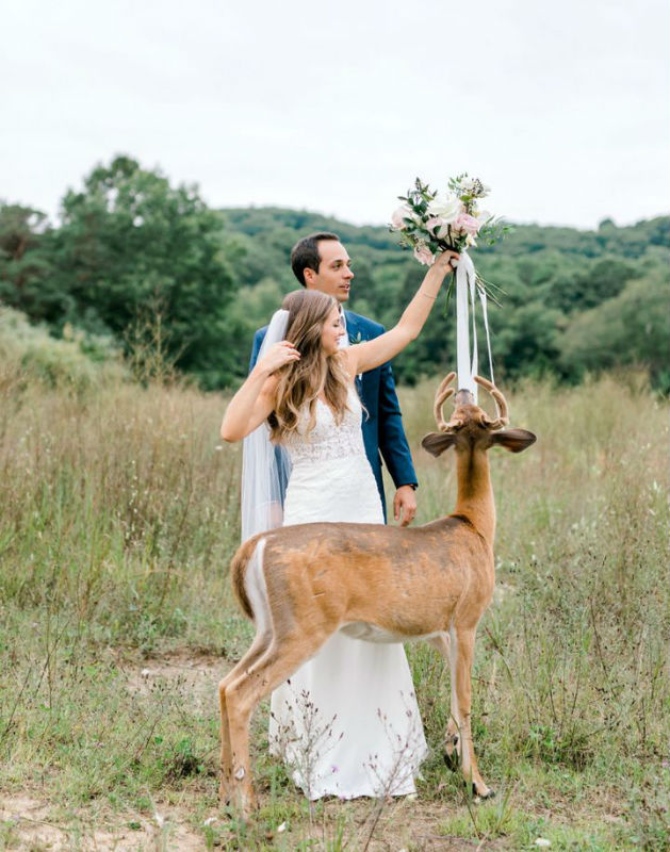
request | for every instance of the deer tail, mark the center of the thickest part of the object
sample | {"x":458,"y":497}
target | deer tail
{"x":238,"y":571}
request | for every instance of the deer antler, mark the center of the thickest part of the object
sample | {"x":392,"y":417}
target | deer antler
{"x":501,"y":404}
{"x":441,"y":396}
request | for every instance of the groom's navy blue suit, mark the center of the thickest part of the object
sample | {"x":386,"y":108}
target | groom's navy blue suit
{"x":383,"y":433}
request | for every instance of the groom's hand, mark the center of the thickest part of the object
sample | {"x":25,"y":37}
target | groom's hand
{"x":404,"y":505}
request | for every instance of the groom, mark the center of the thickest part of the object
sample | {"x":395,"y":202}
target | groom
{"x":320,"y":262}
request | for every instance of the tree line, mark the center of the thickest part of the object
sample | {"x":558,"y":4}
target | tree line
{"x":147,"y":266}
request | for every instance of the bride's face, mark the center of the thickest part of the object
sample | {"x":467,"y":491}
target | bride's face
{"x":332,"y":332}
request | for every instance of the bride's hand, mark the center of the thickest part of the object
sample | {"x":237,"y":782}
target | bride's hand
{"x":444,"y":259}
{"x":278,"y":355}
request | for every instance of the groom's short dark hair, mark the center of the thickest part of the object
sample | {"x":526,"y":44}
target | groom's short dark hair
{"x":305,"y":253}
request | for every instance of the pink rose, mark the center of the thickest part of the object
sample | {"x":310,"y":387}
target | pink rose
{"x":424,"y":255}
{"x":399,"y":216}
{"x":436,"y":225}
{"x":466,"y":224}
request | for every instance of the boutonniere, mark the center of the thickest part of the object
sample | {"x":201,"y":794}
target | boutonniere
{"x":357,"y":338}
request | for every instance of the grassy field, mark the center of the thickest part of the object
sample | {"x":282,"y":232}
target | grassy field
{"x":119,"y":517}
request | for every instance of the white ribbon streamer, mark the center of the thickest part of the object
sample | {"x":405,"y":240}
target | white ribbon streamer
{"x":467,"y":355}
{"x":483,"y":299}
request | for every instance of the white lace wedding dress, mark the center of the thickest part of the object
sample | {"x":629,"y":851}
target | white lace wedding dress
{"x":347,"y":722}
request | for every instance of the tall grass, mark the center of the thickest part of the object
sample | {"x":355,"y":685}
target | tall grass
{"x":117,"y":507}
{"x":120,"y":513}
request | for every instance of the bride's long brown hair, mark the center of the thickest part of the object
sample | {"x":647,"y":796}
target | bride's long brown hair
{"x":301,"y":382}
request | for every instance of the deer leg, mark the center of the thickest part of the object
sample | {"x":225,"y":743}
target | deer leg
{"x":442,"y":644}
{"x":243,"y":694}
{"x":258,"y":648}
{"x":462,"y":656}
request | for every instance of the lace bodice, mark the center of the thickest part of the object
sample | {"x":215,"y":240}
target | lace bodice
{"x":328,"y":440}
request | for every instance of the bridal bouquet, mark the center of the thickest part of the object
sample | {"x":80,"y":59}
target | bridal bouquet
{"x":430,"y":223}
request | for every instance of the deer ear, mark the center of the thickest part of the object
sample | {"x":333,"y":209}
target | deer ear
{"x":437,"y":442}
{"x":514,"y":440}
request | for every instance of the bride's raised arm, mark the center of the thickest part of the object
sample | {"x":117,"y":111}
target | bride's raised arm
{"x":365,"y":356}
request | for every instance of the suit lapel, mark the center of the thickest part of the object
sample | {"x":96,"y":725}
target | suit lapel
{"x":354,"y":332}
{"x":355,"y":335}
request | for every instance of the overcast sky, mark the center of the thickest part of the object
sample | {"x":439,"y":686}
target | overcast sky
{"x":562,"y":108}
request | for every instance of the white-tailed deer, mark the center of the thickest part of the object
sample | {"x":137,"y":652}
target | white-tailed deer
{"x":300,"y":584}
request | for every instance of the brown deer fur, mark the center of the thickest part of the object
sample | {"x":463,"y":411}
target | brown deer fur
{"x":302,"y":583}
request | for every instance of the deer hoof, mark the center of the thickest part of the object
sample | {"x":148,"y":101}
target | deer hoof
{"x":482,"y":797}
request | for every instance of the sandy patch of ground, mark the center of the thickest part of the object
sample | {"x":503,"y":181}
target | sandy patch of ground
{"x":199,"y":674}
{"x":28,"y":824}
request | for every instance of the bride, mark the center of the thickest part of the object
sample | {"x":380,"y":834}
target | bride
{"x":347,"y":722}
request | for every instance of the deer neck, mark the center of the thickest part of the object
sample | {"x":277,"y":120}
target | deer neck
{"x":475,"y":495}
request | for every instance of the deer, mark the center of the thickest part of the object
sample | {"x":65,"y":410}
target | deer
{"x":300,"y":584}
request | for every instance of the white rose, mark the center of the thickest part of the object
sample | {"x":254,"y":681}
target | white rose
{"x":447,"y":209}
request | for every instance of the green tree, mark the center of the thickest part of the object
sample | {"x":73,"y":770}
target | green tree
{"x":27,"y":282}
{"x":130,"y":242}
{"x":632,"y":329}
{"x":251,"y":310}
{"x":594,"y":283}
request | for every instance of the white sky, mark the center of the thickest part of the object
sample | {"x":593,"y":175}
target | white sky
{"x":562,"y":108}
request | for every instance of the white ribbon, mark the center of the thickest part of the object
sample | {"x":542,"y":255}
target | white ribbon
{"x":467,"y":357}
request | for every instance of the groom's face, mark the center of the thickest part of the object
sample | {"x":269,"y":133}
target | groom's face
{"x":334,"y":275}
